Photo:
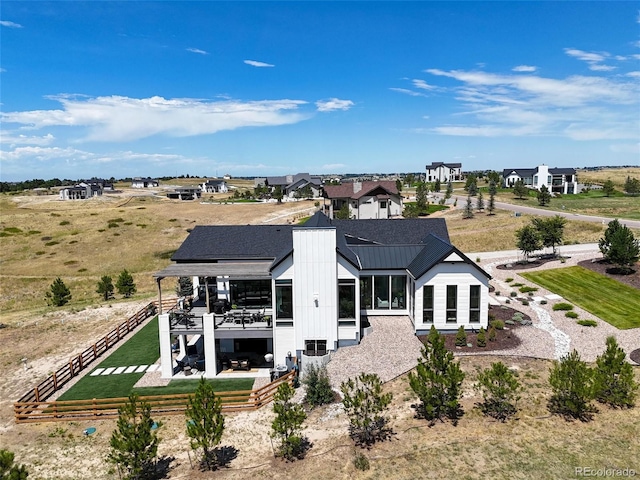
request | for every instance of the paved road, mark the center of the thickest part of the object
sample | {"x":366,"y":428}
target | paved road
{"x":563,"y":249}
{"x":462,"y":200}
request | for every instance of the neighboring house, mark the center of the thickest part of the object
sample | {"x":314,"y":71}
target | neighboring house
{"x":185,"y":193}
{"x":81,"y":191}
{"x":293,"y":185}
{"x":444,"y":172}
{"x":557,"y":180}
{"x":144,"y":183}
{"x":214,"y":186}
{"x":315,"y":284}
{"x":366,"y":200}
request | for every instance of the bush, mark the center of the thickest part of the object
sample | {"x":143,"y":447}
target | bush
{"x":509,"y":280}
{"x":481,"y":340}
{"x":543,"y":302}
{"x":571,"y":314}
{"x":461,"y":337}
{"x":492,"y":333}
{"x":361,"y":462}
{"x":517,"y":317}
{"x":513,"y":294}
{"x":572,"y":388}
{"x":528,"y":289}
{"x":587,"y":323}
{"x":525,"y":302}
{"x":614,"y":383}
{"x":562,"y":306}
{"x":500,"y":388}
{"x":498,"y":324}
{"x":319,"y":391}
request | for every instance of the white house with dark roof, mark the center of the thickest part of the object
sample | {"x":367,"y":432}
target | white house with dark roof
{"x":139,"y":182}
{"x":557,"y":180}
{"x":366,"y":200}
{"x":214,"y":186}
{"x":267,"y":294}
{"x":292,"y":185}
{"x":444,"y":172}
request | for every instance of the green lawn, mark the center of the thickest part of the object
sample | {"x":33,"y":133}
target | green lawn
{"x":141,"y":349}
{"x":189,"y":386}
{"x":612,"y":301}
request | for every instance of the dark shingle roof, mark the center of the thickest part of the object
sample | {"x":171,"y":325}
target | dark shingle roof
{"x":408,"y":231}
{"x":346,"y":190}
{"x":379,"y":257}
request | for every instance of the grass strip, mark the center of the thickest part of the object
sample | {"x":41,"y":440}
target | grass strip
{"x":141,"y":349}
{"x":189,"y":386}
{"x":614,"y":302}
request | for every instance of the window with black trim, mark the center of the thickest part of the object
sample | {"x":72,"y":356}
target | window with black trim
{"x":452,"y":303}
{"x":474,"y":303}
{"x":284,"y":299}
{"x":347,"y":298}
{"x":315,"y":348}
{"x":427,"y":304}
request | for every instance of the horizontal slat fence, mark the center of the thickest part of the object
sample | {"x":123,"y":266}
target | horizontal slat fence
{"x":95,"y":409}
{"x":64,"y":374}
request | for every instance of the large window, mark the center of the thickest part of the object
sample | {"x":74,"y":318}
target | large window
{"x":427,"y":304}
{"x":474,"y":303}
{"x":346,"y":299}
{"x":452,"y":303}
{"x":284,"y":299}
{"x":250,"y":293}
{"x":315,"y":348}
{"x":383,"y":292}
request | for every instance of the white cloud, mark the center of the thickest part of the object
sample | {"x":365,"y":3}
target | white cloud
{"x":589,"y":57}
{"x":333,"y":104}
{"x":11,"y":139}
{"x":601,"y":68}
{"x":117,"y":118}
{"x":42,"y":154}
{"x":6,"y":23}
{"x":407,"y":92}
{"x":197,"y":50}
{"x":255,"y":63}
{"x":524,"y":68}
{"x":634,"y":74}
{"x":576,"y":107}
{"x":422,"y":84}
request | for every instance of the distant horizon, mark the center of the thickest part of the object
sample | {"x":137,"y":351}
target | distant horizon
{"x":269,"y":88}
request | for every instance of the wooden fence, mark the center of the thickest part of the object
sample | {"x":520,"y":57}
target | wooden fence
{"x":64,"y":374}
{"x":97,"y":409}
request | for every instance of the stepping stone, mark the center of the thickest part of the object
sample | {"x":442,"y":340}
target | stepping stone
{"x":493,"y":301}
{"x":153,"y":368}
{"x":553,"y":296}
{"x":141,"y":368}
{"x":118,"y":370}
{"x":108,"y":371}
{"x":537,"y":299}
{"x":96,"y":372}
{"x":130,"y":369}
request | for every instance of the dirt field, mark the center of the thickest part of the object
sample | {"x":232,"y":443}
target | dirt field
{"x":149,"y":229}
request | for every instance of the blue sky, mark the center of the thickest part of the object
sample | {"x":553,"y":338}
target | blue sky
{"x":260,"y":88}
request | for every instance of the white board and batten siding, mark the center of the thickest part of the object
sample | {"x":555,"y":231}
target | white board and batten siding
{"x":315,"y":299}
{"x":463,"y":276}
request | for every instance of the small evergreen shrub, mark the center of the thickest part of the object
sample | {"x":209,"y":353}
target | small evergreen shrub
{"x":513,"y":294}
{"x":613,"y":378}
{"x":64,"y":222}
{"x":517,"y":285}
{"x":461,"y":337}
{"x":528,"y":289}
{"x":509,"y":280}
{"x":543,"y":302}
{"x":361,"y":462}
{"x":571,"y":314}
{"x":587,"y":323}
{"x":525,"y":302}
{"x":498,"y":324}
{"x":562,"y":306}
{"x":481,"y":340}
{"x":51,"y":243}
{"x":509,"y":322}
{"x":492,"y":333}
{"x":497,"y":292}
{"x":507,"y":301}
{"x":319,"y":390}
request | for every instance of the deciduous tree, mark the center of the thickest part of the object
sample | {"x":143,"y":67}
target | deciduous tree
{"x":528,"y":240}
{"x":551,"y":230}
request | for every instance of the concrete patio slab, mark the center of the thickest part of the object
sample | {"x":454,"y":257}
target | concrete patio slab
{"x":97,"y":371}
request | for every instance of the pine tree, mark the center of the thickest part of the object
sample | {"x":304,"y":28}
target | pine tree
{"x":206,"y":423}
{"x":449,"y":191}
{"x":492,"y":197}
{"x":613,"y":378}
{"x":134,"y":444}
{"x":492,"y":333}
{"x":481,"y":339}
{"x":468,"y":209}
{"x":608,"y":188}
{"x":437,"y":381}
{"x":125,"y":284}
{"x":500,"y":388}
{"x":544,"y":196}
{"x":461,"y":337}
{"x":366,"y":407}
{"x":619,"y":246}
{"x":572,"y":388}
{"x":9,"y":471}
{"x":58,"y":294}
{"x":287,"y":426}
{"x":422,"y":204}
{"x":184,"y":287}
{"x":480,"y":202}
{"x":437,"y":185}
{"x":632,"y":186}
{"x":520,"y":190}
{"x":105,"y":287}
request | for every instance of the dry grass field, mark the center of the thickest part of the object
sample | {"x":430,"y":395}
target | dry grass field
{"x":42,"y":238}
{"x":616,"y":175}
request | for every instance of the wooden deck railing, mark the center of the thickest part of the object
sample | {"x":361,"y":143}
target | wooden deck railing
{"x":65,"y":373}
{"x":77,"y":410}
